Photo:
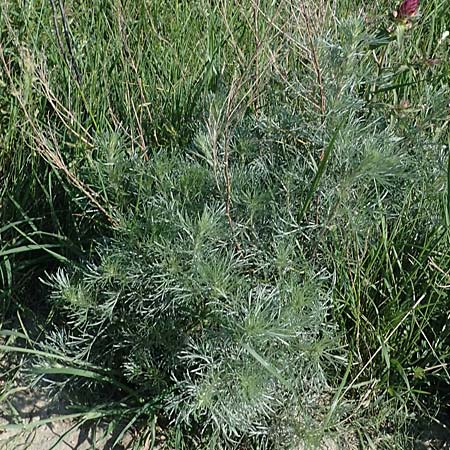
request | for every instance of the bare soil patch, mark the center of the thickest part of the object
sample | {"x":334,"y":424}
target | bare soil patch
{"x":27,"y":408}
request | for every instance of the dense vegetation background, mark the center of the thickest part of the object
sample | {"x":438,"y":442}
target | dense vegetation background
{"x":228,"y":222}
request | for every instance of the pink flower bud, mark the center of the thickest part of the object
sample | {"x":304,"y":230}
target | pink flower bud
{"x":408,"y":8}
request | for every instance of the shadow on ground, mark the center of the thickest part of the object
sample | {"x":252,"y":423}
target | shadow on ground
{"x":434,"y":435}
{"x":27,"y":408}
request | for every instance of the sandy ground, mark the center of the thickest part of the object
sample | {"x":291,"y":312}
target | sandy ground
{"x":57,"y":435}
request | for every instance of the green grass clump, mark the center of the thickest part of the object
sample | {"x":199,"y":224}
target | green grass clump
{"x":237,"y":215}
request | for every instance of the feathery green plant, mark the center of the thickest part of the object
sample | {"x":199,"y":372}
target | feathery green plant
{"x":242,"y":211}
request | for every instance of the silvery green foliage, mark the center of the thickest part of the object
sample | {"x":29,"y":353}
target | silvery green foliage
{"x":228,"y":323}
{"x":223,"y":338}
